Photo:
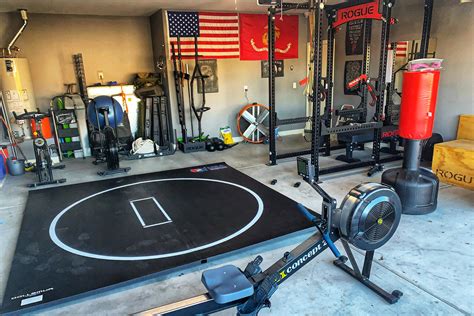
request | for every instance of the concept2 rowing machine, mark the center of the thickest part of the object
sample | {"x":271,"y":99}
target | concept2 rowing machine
{"x":367,"y":219}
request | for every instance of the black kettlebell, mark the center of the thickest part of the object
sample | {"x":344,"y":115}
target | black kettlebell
{"x":218,"y":143}
{"x":210,"y":146}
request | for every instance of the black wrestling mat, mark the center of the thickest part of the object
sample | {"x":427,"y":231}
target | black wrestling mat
{"x":79,"y":238}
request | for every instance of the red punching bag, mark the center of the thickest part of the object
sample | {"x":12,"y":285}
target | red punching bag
{"x":417,"y":111}
{"x":417,"y":187}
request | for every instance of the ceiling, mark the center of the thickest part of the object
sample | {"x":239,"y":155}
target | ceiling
{"x":126,"y":7}
{"x":146,"y":7}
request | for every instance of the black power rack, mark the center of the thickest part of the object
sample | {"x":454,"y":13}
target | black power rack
{"x":383,"y":125}
{"x":321,"y":124}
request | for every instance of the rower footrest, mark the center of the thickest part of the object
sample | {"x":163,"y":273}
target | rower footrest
{"x":227,"y":284}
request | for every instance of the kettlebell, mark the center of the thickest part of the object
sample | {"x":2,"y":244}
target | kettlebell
{"x":218,"y":143}
{"x":210,"y":146}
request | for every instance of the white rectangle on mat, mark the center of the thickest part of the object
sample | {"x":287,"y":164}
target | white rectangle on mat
{"x":140,"y":218}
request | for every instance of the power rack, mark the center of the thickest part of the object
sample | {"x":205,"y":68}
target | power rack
{"x":336,"y":16}
{"x":384,"y":121}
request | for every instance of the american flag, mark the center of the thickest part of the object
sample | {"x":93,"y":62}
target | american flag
{"x":402,"y":50}
{"x":218,"y":34}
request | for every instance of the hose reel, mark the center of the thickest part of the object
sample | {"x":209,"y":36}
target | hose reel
{"x":368,"y":216}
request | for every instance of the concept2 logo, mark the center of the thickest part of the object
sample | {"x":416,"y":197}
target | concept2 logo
{"x":316,"y":250}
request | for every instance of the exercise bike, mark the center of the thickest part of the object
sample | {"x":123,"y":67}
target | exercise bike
{"x":44,"y":165}
{"x":367,"y":219}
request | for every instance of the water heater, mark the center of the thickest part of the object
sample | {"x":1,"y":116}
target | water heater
{"x":17,"y":87}
{"x":15,"y":80}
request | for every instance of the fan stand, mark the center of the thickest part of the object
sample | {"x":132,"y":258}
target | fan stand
{"x":363,"y":277}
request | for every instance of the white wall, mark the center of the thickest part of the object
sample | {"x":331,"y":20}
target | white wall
{"x":118,"y":46}
{"x":453,"y":26}
{"x":233,"y":74}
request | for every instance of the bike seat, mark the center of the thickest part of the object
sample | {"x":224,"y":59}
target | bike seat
{"x":226,"y":284}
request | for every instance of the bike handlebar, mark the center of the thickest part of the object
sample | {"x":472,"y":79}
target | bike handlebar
{"x":30,"y":115}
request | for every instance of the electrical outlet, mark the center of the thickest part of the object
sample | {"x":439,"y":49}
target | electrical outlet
{"x":246,"y":88}
{"x":294,"y":85}
{"x":100,"y":74}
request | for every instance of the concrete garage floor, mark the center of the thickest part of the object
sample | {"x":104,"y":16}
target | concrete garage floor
{"x":430,"y":258}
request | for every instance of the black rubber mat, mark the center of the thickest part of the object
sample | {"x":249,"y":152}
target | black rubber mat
{"x":79,"y":238}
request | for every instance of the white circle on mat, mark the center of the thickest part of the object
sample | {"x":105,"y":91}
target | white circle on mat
{"x":59,"y":243}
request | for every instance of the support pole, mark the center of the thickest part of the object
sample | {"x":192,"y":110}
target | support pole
{"x":425,"y":35}
{"x":390,"y":90}
{"x":271,"y":85}
{"x":317,"y":69}
{"x":366,"y":66}
{"x":387,"y":15}
{"x":412,"y":154}
{"x":330,"y":85}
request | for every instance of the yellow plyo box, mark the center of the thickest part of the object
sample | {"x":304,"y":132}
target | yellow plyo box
{"x":453,"y":162}
{"x":466,"y":127}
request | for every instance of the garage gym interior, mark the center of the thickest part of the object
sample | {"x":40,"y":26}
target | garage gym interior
{"x":283,"y":157}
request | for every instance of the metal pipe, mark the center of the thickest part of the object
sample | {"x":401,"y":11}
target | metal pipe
{"x":426,"y":33}
{"x":271,"y":86}
{"x":24,"y":17}
{"x":8,"y":125}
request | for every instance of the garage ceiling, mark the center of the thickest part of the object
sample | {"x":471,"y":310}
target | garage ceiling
{"x":126,"y":7}
{"x":142,"y":7}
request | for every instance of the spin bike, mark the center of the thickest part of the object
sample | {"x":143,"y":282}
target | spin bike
{"x":367,"y":219}
{"x":44,"y":165}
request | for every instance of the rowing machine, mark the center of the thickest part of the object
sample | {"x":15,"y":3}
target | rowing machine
{"x":367,"y":219}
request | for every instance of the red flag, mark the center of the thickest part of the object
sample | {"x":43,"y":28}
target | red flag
{"x":254,"y":37}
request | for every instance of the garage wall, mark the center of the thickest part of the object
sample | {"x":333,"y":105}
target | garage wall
{"x":233,"y":75}
{"x":118,"y":46}
{"x":452,"y":26}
